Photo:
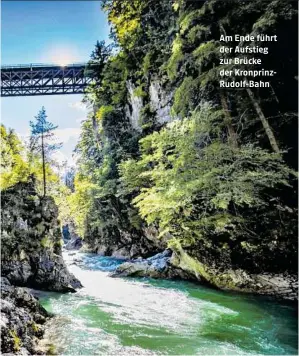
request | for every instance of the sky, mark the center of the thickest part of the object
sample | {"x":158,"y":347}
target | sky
{"x":49,"y":32}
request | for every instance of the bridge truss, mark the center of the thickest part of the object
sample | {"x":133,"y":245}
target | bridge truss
{"x":42,"y":79}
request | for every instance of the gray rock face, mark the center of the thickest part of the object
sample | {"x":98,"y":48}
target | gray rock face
{"x":174,"y":265}
{"x":278,"y":285}
{"x":22,"y":320}
{"x":136,"y":104}
{"x":127,"y":245}
{"x":31,"y":241}
{"x":131,"y":243}
{"x":47,"y":272}
{"x":157,"y":266}
{"x":159,"y":100}
{"x":75,"y":243}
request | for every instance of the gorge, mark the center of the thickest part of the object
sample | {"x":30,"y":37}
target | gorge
{"x":176,"y":231}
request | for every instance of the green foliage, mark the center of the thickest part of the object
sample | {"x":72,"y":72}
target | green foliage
{"x":210,"y":175}
{"x":175,"y":59}
{"x":104,"y":111}
{"x":125,"y":18}
{"x":46,"y":242}
{"x":35,"y":327}
{"x":139,"y":92}
{"x":195,"y":185}
{"x":147,"y":63}
{"x":14,"y":168}
{"x":62,"y":198}
{"x":42,"y":126}
{"x":80,"y":202}
{"x":18,"y":164}
{"x":51,"y":350}
{"x":186,"y":96}
{"x":16,"y":340}
{"x":195,"y":55}
{"x":41,"y":134}
{"x":147,"y":119}
{"x":53,"y":181}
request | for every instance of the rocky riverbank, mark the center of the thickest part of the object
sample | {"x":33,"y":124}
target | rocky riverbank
{"x":30,"y":257}
{"x":22,"y":321}
{"x":178,"y":264}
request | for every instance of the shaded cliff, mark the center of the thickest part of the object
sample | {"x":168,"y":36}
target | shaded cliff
{"x":31,"y":241}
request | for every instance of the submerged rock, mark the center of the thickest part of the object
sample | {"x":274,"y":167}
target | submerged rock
{"x":54,"y":338}
{"x":22,"y":320}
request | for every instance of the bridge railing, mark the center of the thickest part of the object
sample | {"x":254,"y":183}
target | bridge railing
{"x":40,"y":65}
{"x":46,"y":79}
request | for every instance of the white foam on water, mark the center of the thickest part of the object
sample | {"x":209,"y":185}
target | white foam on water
{"x":113,"y":316}
{"x":143,"y":304}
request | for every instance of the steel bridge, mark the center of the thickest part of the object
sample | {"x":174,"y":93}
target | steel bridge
{"x":44,"y":79}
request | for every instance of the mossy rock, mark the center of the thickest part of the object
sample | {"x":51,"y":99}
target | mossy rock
{"x":16,"y":340}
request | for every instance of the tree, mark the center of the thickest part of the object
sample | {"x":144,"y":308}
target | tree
{"x":218,"y":175}
{"x":13,"y":167}
{"x":192,"y":183}
{"x":194,"y":66}
{"x":41,"y":133}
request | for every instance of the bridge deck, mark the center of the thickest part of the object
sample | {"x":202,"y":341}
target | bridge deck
{"x":44,"y":79}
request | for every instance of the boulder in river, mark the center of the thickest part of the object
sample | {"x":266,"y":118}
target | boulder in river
{"x":71,"y":239}
{"x":75,"y":243}
{"x":157,"y":266}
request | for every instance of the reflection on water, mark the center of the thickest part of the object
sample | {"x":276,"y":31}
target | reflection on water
{"x":152,"y":317}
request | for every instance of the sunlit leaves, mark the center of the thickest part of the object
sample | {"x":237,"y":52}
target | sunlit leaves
{"x":191,"y":182}
{"x":13,"y":165}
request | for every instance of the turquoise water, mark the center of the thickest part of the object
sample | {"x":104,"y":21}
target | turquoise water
{"x":157,"y":317}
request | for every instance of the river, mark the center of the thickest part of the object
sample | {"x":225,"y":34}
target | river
{"x":114,"y":316}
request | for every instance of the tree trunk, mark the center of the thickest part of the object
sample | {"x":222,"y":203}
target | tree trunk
{"x":95,"y":127}
{"x":44,"y":165}
{"x":267,"y":127}
{"x":232,"y":135}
